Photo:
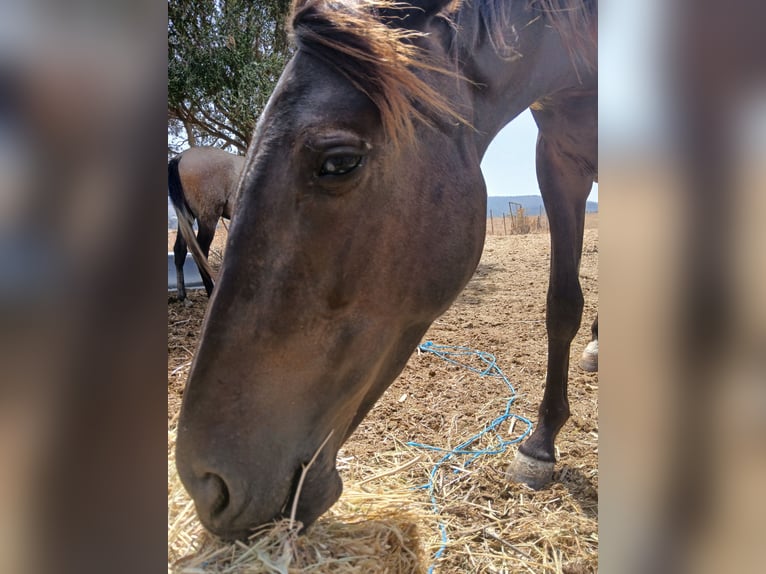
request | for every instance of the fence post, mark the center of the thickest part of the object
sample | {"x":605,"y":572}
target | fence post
{"x":505,"y":230}
{"x":491,"y":223}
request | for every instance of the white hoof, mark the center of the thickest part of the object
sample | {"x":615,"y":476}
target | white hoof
{"x":532,"y":472}
{"x":589,"y":359}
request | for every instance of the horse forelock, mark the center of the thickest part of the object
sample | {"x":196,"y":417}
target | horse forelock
{"x":366,"y":42}
{"x":361,"y":39}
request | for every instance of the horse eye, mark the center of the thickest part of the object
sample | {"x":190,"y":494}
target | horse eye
{"x":340,"y":164}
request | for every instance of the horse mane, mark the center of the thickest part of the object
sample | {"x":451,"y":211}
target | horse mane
{"x":361,"y":39}
{"x":576,"y":21}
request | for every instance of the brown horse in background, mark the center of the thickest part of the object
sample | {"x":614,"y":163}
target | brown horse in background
{"x":383,"y":115}
{"x":202,"y":184}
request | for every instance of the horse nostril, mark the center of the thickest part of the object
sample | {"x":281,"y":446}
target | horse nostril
{"x":214,"y":494}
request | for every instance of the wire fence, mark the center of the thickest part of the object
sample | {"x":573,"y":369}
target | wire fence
{"x":517,"y":222}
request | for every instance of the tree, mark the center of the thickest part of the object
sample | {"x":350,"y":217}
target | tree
{"x":224,"y":59}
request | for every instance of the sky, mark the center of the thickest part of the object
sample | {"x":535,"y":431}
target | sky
{"x":509,"y":164}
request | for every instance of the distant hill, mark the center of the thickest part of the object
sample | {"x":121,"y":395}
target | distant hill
{"x":533,"y":205}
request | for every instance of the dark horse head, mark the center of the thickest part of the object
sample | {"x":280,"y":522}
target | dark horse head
{"x":361,"y":217}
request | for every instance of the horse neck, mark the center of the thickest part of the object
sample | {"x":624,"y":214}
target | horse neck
{"x":504,"y":85}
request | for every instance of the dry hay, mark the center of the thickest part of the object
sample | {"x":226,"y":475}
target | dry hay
{"x":366,"y":531}
{"x":384,"y":522}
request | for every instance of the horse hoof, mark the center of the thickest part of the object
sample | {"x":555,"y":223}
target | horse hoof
{"x":589,"y":359}
{"x":532,"y":472}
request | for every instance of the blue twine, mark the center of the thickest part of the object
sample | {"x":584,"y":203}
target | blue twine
{"x":452,"y":355}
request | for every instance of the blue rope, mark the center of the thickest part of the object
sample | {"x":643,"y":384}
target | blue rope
{"x":454,"y":355}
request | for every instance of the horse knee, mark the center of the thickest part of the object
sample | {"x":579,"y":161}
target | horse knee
{"x":563,"y":316}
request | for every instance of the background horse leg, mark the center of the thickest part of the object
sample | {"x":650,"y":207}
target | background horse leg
{"x":589,"y":358}
{"x":179,"y":253}
{"x":564,"y":187}
{"x":205,"y":237}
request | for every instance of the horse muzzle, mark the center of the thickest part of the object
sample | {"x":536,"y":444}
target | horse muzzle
{"x":234,"y":510}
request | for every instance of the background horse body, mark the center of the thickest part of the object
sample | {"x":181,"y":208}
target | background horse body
{"x":383,"y":113}
{"x":202,"y":184}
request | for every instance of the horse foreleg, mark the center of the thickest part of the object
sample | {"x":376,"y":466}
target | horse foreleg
{"x":564,"y":189}
{"x":179,"y":257}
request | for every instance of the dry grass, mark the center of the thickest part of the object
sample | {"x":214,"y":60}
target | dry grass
{"x":526,"y":223}
{"x":384,"y":522}
{"x":370,"y":529}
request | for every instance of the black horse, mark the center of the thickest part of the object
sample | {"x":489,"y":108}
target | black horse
{"x":383,"y":114}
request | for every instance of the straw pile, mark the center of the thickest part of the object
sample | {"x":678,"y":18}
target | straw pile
{"x":369,"y":530}
{"x":384,"y":522}
{"x":383,"y":525}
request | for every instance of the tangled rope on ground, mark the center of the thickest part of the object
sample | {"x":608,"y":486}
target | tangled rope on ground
{"x":459,"y":356}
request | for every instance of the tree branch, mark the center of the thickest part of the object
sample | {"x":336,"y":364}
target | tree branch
{"x":222,"y":126}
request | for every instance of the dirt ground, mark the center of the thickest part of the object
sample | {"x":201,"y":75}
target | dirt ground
{"x":501,"y":527}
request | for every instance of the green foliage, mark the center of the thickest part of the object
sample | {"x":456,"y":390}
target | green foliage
{"x":224,"y":59}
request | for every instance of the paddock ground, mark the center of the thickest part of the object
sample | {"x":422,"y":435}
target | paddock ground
{"x":491,"y":525}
